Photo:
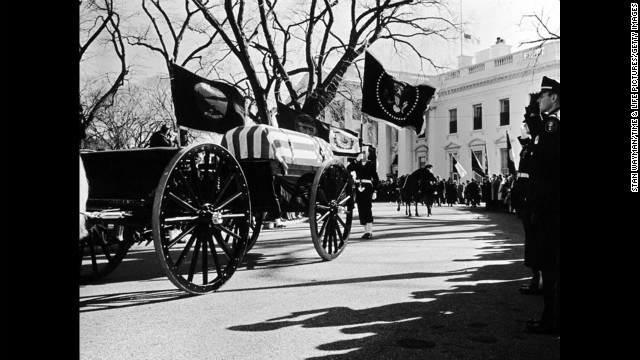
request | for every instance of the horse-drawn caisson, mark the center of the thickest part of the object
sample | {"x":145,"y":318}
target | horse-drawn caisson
{"x":203,"y":205}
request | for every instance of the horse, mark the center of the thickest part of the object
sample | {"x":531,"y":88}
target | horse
{"x":410,"y":191}
{"x":398,"y":191}
{"x":416,"y":188}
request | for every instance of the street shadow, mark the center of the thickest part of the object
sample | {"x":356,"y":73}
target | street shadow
{"x":483,"y":316}
{"x":117,"y":301}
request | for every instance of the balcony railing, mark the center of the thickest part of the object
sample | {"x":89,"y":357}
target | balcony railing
{"x":452,"y":75}
{"x":476,"y":68}
{"x":503,"y":60}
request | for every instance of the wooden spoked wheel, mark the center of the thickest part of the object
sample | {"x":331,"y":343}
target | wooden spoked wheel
{"x":254,"y":228}
{"x":257,"y":219}
{"x":331,"y":209}
{"x":201,"y":218}
{"x":102,"y":250}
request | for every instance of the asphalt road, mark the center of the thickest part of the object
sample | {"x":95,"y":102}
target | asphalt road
{"x":439,"y":287}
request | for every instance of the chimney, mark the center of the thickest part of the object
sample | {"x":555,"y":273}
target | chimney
{"x":464,"y":61}
{"x":500,"y":48}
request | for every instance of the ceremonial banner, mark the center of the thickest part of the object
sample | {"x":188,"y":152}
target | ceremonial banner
{"x":268,"y":142}
{"x":459,"y":169}
{"x":395,"y":102}
{"x":298,"y":121}
{"x":510,"y":162}
{"x":203,"y":104}
{"x":475,"y":165}
{"x":486,"y":160}
{"x":344,"y":142}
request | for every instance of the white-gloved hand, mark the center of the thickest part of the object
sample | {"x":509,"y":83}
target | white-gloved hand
{"x":524,"y":131}
{"x":374,"y":196}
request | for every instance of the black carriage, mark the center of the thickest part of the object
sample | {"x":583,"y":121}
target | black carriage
{"x":203,"y":207}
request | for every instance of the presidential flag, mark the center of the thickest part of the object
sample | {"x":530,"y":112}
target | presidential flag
{"x":386,"y":99}
{"x":510,"y":162}
{"x":344,"y":142}
{"x":203,"y":104}
{"x":292,"y":119}
{"x":458,"y":168}
{"x":475,"y":165}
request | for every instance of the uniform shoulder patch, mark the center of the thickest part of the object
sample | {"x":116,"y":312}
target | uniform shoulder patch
{"x":551,"y":125}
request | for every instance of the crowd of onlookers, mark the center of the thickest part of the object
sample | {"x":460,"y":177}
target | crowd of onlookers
{"x":494,"y":192}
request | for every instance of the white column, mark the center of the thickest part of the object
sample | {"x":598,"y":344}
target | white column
{"x":405,"y":152}
{"x":384,"y":151}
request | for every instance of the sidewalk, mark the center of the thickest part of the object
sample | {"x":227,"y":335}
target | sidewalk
{"x":269,"y":225}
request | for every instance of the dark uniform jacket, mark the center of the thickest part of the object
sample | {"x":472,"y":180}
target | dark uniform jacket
{"x":544,"y":165}
{"x":159,"y":139}
{"x":366,"y":171}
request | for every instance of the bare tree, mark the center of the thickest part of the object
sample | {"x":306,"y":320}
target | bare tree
{"x":541,"y":24}
{"x":99,"y":25}
{"x":266,"y":44}
{"x":137,"y":111}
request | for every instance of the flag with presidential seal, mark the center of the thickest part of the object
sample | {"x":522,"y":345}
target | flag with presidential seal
{"x":203,"y":104}
{"x":387,"y":99}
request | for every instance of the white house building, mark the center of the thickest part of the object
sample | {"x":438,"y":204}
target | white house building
{"x":473,"y":109}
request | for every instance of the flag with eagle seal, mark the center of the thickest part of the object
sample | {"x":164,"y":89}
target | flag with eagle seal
{"x":385,"y":98}
{"x":203,"y":104}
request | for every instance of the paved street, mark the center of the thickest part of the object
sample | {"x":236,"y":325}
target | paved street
{"x":439,"y":287}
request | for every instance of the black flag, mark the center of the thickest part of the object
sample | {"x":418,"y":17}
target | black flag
{"x":475,"y":165}
{"x":203,"y":104}
{"x":387,"y":99}
{"x":291,"y":119}
{"x":510,"y":162}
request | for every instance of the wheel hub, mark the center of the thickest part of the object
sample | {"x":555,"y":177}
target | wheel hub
{"x":336,"y":208}
{"x":208,"y":215}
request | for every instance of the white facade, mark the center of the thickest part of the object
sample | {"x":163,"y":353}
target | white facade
{"x":489,"y":85}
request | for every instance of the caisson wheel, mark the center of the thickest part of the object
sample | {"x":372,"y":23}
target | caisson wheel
{"x":201,"y":218}
{"x":257,"y":219}
{"x":331,"y":209}
{"x":102,"y":250}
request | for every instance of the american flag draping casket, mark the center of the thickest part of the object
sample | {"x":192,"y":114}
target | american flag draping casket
{"x":268,"y":142}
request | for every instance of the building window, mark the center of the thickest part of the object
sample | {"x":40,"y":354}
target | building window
{"x":504,"y":168}
{"x":422,"y":161}
{"x":477,"y":117}
{"x":480,"y":157}
{"x":504,"y":112}
{"x":453,"y":121}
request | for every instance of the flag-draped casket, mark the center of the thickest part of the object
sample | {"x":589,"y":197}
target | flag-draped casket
{"x":279,"y":164}
{"x":268,"y":142}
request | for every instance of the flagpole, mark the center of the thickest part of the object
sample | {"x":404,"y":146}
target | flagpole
{"x":461,"y":28}
{"x":171,"y":82}
{"x":486,"y":159}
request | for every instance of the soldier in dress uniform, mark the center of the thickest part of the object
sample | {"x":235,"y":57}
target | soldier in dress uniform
{"x":366,"y":182}
{"x":544,"y":196}
{"x":529,"y":128}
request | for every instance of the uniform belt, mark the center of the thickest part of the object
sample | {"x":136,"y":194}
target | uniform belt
{"x":523,"y":175}
{"x":363,"y":181}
